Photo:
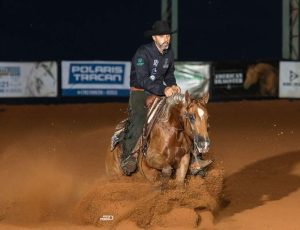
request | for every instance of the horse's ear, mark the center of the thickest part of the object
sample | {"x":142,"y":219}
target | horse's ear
{"x":187,"y":97}
{"x":204,"y":99}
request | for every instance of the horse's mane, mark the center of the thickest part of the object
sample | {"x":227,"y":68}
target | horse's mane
{"x":171,"y":101}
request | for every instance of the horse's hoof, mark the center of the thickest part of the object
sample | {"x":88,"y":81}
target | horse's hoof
{"x":199,"y":166}
{"x":166,"y":171}
{"x":202,"y":173}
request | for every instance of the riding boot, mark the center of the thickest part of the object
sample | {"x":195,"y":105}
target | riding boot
{"x":127,"y":161}
{"x":137,"y":118}
{"x":198,"y":164}
{"x":129,"y":164}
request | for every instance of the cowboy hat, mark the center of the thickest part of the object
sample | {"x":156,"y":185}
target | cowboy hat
{"x":159,"y":28}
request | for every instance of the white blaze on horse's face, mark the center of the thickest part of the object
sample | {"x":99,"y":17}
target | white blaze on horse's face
{"x":201,"y":113}
{"x":201,"y":137}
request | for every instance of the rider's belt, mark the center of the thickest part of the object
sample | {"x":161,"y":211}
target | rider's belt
{"x":135,"y":89}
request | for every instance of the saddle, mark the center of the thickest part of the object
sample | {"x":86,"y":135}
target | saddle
{"x":155,"y":106}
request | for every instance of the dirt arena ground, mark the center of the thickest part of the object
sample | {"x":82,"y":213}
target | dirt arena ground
{"x":52,"y":165}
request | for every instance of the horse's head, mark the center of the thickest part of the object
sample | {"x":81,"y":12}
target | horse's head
{"x":196,"y":121}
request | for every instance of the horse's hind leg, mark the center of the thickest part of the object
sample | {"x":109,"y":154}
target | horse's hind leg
{"x":112,"y":163}
{"x":151,"y":174}
{"x":182,"y":169}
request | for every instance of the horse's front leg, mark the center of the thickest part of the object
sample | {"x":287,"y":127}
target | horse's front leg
{"x":182,"y":169}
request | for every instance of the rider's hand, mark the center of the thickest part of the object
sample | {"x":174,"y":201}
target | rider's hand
{"x":168,"y":91}
{"x":176,"y":89}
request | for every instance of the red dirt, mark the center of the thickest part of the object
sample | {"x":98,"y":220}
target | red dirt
{"x":52,"y":170}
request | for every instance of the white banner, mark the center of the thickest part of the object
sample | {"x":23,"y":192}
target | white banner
{"x":289,"y":79}
{"x":28,"y":79}
{"x":95,"y":78}
{"x":193,"y":77}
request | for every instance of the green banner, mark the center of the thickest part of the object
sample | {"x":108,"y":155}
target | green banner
{"x":193,"y":76}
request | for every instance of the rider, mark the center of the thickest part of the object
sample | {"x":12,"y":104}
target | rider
{"x":152,"y":72}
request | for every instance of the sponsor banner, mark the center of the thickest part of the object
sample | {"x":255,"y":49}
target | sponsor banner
{"x":229,"y":78}
{"x":227,"y":83}
{"x":289,"y":81}
{"x":28,"y":79}
{"x":95,"y":78}
{"x":193,"y":77}
{"x":246,"y":80}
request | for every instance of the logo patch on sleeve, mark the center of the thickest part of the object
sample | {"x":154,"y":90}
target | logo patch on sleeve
{"x":140,"y":61}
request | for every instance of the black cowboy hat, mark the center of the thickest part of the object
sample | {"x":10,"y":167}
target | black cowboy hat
{"x":159,"y":28}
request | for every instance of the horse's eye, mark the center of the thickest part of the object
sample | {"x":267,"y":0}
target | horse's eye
{"x":191,"y":118}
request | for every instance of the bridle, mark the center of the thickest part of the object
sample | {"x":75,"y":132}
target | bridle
{"x":191,"y":119}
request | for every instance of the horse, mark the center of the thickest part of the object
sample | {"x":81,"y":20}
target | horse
{"x":265,"y":75}
{"x":181,"y":128}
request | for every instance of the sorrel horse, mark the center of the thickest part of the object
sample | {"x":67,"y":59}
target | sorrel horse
{"x":181,"y":129}
{"x":265,"y":75}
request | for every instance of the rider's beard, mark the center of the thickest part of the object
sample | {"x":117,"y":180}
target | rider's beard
{"x":163,"y":46}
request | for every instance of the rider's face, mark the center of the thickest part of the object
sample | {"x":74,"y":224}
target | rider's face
{"x":162,"y":41}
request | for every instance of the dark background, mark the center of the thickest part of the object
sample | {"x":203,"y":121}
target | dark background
{"x":209,"y":30}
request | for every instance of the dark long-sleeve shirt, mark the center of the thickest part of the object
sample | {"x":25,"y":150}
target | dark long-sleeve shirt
{"x":151,"y":70}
